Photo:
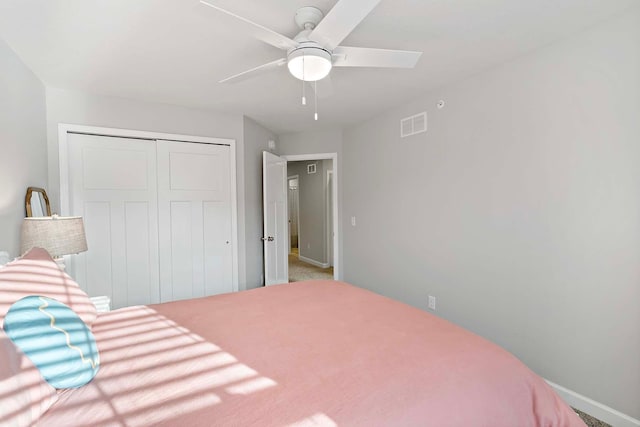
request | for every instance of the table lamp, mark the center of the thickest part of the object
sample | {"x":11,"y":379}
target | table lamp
{"x":56,"y":234}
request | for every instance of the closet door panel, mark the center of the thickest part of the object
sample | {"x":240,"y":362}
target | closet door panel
{"x":217,"y":223}
{"x":196,"y":171}
{"x":119,"y":258}
{"x":93,"y":273}
{"x":194,"y":196}
{"x":138,"y":246}
{"x":181,"y":255}
{"x":99,"y":164}
{"x":113,"y":185}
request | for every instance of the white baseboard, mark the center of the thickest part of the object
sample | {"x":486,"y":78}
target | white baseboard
{"x":313,"y":262}
{"x":593,"y":408}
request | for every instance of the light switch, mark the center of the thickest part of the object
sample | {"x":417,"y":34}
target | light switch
{"x":353,"y":221}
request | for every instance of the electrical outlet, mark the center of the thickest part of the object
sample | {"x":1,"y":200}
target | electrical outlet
{"x":432,"y":302}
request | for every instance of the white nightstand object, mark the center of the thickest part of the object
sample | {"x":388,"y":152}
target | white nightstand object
{"x":4,"y":258}
{"x":102,"y":303}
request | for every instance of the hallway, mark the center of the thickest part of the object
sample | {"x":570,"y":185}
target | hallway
{"x":299,"y":270}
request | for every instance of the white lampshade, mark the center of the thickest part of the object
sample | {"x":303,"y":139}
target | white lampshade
{"x":309,"y":64}
{"x":57,"y":235}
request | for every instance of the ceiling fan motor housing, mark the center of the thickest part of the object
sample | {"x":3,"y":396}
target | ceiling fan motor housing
{"x":309,"y":61}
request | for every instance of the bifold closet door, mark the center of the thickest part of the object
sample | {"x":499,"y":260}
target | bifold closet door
{"x":194,"y":213}
{"x":113,"y":185}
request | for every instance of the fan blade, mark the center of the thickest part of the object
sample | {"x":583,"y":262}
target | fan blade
{"x":325,"y":87}
{"x":344,"y":56}
{"x":263,"y":33}
{"x":340,"y":21}
{"x":255,"y":71}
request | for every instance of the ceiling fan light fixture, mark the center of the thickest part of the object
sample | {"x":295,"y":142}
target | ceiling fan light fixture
{"x":309,"y":63}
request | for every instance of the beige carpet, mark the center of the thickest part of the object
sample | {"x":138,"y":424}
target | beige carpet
{"x":299,"y":270}
{"x":591,"y":421}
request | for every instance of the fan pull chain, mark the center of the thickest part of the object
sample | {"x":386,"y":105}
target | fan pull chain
{"x":304,"y":98}
{"x":315,"y":98}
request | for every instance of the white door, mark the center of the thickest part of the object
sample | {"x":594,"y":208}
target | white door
{"x":112,"y":184}
{"x":194,"y":206}
{"x":274,"y":185}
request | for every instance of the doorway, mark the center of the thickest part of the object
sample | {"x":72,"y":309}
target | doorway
{"x":277,"y":244}
{"x":293,"y":204}
{"x":310,"y":216}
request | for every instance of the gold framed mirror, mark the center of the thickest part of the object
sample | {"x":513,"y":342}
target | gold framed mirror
{"x":36,"y":202}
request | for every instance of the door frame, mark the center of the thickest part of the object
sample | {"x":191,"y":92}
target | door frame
{"x":329,"y":177}
{"x":63,"y":162}
{"x":337,"y":267}
{"x":297,"y":210}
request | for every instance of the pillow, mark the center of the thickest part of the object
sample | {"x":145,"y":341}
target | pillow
{"x":24,"y":394}
{"x":55,"y":339}
{"x":37,"y":274}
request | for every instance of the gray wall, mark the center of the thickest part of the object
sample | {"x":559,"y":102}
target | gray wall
{"x":317,"y":142}
{"x":256,"y":140}
{"x":23,"y":143}
{"x":313,"y":209}
{"x":95,"y":110}
{"x":519,"y":209}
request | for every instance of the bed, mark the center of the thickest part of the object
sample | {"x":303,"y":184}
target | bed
{"x":316,"y":353}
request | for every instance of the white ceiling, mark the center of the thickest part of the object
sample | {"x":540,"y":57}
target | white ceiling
{"x":175,"y":51}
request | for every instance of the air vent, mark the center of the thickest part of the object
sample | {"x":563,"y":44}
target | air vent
{"x":413,"y":125}
{"x":311,"y":168}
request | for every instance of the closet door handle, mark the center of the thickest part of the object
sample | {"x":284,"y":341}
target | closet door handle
{"x":268,"y":239}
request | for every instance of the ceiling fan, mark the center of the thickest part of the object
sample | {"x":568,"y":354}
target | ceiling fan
{"x":316,"y":48}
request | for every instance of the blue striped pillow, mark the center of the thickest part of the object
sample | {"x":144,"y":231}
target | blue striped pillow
{"x":55,"y":339}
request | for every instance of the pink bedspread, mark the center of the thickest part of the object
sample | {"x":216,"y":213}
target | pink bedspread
{"x":317,"y":353}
